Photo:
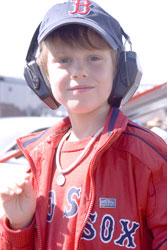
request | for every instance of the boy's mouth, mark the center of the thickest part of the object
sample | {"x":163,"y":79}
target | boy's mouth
{"x":81,"y":88}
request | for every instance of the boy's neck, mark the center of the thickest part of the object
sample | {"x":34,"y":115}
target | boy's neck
{"x":86,"y":125}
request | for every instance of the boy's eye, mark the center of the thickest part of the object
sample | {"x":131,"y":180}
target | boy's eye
{"x":94,"y":58}
{"x":63,"y":60}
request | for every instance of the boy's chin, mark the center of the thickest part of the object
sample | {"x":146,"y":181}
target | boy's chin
{"x":79,"y":108}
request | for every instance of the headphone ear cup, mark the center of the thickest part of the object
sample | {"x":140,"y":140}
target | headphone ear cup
{"x":37,"y":83}
{"x":127,"y":78}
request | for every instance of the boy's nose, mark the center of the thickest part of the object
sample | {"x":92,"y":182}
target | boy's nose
{"x":78,"y":75}
{"x":79,"y":71}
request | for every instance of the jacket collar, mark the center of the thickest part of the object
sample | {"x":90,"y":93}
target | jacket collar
{"x":115,"y":124}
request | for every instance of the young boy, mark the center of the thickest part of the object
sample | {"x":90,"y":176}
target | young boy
{"x":96,"y":179}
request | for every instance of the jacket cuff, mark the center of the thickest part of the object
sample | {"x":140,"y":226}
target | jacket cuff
{"x":19,"y":238}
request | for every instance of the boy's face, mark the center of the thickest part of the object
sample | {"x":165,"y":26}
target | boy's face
{"x":80,"y":79}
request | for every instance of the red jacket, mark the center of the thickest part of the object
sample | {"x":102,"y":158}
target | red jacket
{"x":130,"y":169}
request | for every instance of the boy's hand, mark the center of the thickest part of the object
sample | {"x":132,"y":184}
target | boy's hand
{"x":17,"y":194}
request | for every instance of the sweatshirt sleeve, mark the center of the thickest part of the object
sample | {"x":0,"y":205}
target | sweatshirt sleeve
{"x":157,"y":206}
{"x":16,"y":239}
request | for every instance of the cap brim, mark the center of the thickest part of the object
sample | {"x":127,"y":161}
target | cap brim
{"x":43,"y":34}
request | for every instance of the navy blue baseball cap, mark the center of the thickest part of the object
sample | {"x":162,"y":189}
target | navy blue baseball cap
{"x":86,"y":13}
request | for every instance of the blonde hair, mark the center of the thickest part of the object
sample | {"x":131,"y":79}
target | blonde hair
{"x":74,"y":36}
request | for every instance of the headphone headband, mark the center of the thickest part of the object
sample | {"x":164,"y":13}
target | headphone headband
{"x":33,"y":46}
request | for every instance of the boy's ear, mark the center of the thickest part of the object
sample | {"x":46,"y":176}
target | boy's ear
{"x":37,"y":83}
{"x":126,"y":80}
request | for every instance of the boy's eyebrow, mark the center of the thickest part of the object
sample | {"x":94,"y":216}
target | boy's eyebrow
{"x":58,"y":53}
